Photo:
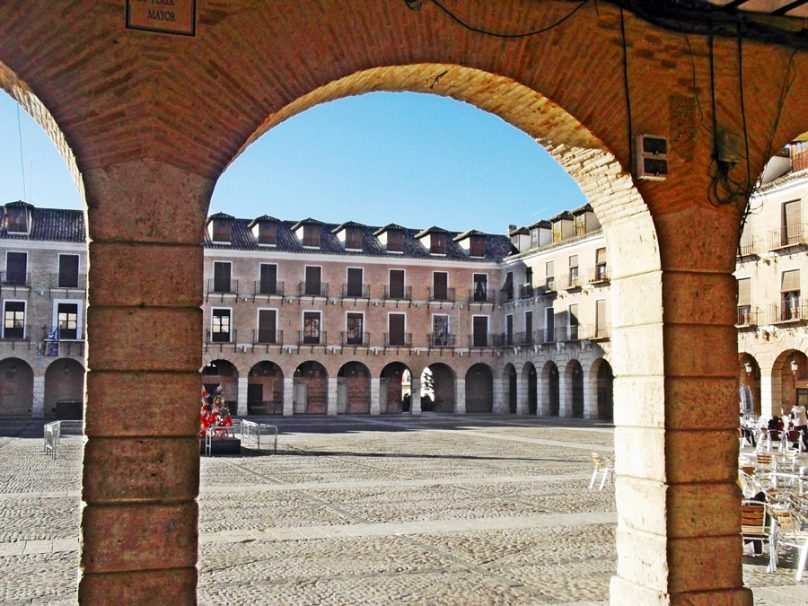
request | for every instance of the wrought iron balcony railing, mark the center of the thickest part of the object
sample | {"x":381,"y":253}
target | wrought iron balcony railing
{"x":267,"y":336}
{"x":359,"y":339}
{"x":319,"y":289}
{"x":397,"y":339}
{"x":268,"y":288}
{"x":398,"y":293}
{"x":441,"y":294}
{"x":362,"y":291}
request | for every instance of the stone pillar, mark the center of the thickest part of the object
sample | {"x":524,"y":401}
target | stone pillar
{"x":38,"y":406}
{"x":331,"y":402}
{"x":144,"y":325}
{"x":460,"y":396}
{"x":542,"y":393}
{"x":564,"y":394}
{"x":590,"y":380}
{"x":288,"y":396}
{"x":767,"y":390}
{"x":676,"y":413}
{"x":375,"y":404}
{"x":415,"y":400}
{"x":500,"y":406}
{"x":241,"y":397}
{"x":522,"y":403}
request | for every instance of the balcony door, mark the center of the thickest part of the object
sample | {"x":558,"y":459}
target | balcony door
{"x":267,"y":323}
{"x":397,"y":327}
{"x":480,"y":331}
{"x":313,"y":283}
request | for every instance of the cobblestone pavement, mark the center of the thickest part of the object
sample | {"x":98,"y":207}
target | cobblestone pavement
{"x":361,"y":510}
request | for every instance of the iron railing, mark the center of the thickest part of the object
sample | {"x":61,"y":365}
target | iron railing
{"x":16,"y":332}
{"x":398,"y":294}
{"x":222,"y":287}
{"x":360,"y":339}
{"x":266,"y":288}
{"x":397,"y":339}
{"x":441,"y":340}
{"x":748,"y":316}
{"x":789,"y":235}
{"x":80,"y":283}
{"x":441,"y":294}
{"x":480,"y":295}
{"x":220,"y":337}
{"x":310,"y":338}
{"x":312,"y":290}
{"x":267,"y":336}
{"x":15,"y":278}
{"x":352,"y":292}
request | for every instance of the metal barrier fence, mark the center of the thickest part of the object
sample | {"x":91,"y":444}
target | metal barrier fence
{"x":52,"y":433}
{"x":251,"y":433}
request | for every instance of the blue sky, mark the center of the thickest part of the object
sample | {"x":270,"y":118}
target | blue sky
{"x":380,"y":158}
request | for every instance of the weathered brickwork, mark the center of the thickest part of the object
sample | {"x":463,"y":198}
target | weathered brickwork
{"x":152,"y":120}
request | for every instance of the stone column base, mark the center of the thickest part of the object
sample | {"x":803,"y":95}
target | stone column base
{"x":622,"y":592}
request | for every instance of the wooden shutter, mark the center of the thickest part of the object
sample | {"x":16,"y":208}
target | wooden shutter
{"x":790,"y":280}
{"x":745,"y":291}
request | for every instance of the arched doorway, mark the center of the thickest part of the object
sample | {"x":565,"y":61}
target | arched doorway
{"x":748,"y":385}
{"x":574,"y":379}
{"x":394,"y":395}
{"x":353,"y":388}
{"x":265,"y":389}
{"x":16,"y":387}
{"x":788,"y":369}
{"x":64,"y":389}
{"x":310,"y":389}
{"x":509,"y":376}
{"x":601,"y":375}
{"x":530,"y":379}
{"x":438,"y":388}
{"x":222,"y":373}
{"x":551,"y":388}
{"x":479,"y":389}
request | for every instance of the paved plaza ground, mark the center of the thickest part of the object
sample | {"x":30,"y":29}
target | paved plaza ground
{"x":362,"y":510}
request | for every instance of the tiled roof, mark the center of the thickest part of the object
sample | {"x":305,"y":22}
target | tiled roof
{"x":263,"y":219}
{"x":220,"y":216}
{"x":306,"y":221}
{"x":541,"y":223}
{"x":467,"y":234}
{"x":497,"y":247}
{"x":789,"y":177}
{"x":345,"y":225}
{"x":55,"y":224}
{"x":388,"y":227}
{"x":431,"y":230}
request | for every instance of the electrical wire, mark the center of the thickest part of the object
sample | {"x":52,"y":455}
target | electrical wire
{"x":629,"y":127}
{"x":22,"y":155}
{"x":506,"y":35}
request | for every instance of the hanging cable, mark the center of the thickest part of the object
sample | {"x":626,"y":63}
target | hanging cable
{"x":506,"y":35}
{"x":22,"y":155}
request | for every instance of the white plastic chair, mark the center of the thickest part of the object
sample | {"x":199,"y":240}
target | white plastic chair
{"x":791,"y":536}
{"x":602,"y":465}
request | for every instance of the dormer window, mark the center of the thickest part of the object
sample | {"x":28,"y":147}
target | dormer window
{"x":16,"y":220}
{"x":222,"y":230}
{"x":353,"y":238}
{"x":477,"y":246}
{"x":437,"y":244}
{"x":395,"y":241}
{"x":311,"y":236}
{"x":268,"y":234}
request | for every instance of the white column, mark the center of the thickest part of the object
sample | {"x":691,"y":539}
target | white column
{"x":542,"y":393}
{"x":241,"y":396}
{"x":500,"y":406}
{"x":415,"y":400}
{"x":766,"y":395}
{"x":564,"y":395}
{"x":331,"y":402}
{"x":288,"y":397}
{"x":38,"y":405}
{"x":375,"y":405}
{"x":522,"y":403}
{"x":460,"y":396}
{"x":590,"y":394}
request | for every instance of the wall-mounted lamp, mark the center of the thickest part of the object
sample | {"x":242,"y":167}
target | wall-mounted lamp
{"x":794,"y":366}
{"x":747,"y":366}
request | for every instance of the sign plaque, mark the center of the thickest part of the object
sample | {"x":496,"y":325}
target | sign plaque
{"x":168,"y":16}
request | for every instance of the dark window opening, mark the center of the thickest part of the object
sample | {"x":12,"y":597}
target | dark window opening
{"x":67,"y":318}
{"x":68,"y":271}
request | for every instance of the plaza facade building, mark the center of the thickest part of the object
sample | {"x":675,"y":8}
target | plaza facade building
{"x":772,"y":269}
{"x":303,"y":317}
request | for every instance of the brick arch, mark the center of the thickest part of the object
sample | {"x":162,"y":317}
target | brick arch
{"x":31,"y":103}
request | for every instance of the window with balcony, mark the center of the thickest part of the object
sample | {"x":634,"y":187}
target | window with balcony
{"x":67,"y":320}
{"x":68,"y":271}
{"x":16,"y":268}
{"x":355,"y":286}
{"x":396,"y":286}
{"x":440,"y":330}
{"x":395,"y":241}
{"x":354,"y":328}
{"x":312,"y":284}
{"x":790,"y":234}
{"x":573,"y":274}
{"x":549,"y":276}
{"x":14,"y":319}
{"x":479,"y":331}
{"x":507,"y":288}
{"x":534,"y":237}
{"x":311,"y":236}
{"x":440,"y":285}
{"x":600,"y":265}
{"x":396,"y":329}
{"x":477,"y":246}
{"x":572,"y":322}
{"x":311,"y":327}
{"x":549,"y":325}
{"x":526,"y":290}
{"x":353,"y":238}
{"x":268,"y":233}
{"x":744,"y":302}
{"x":267,"y":326}
{"x":790,"y":295}
{"x":480,"y":287}
{"x":268,"y":284}
{"x":509,"y":329}
{"x":601,"y":328}
{"x":221,"y":276}
{"x":220,"y":327}
{"x":528,"y":338}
